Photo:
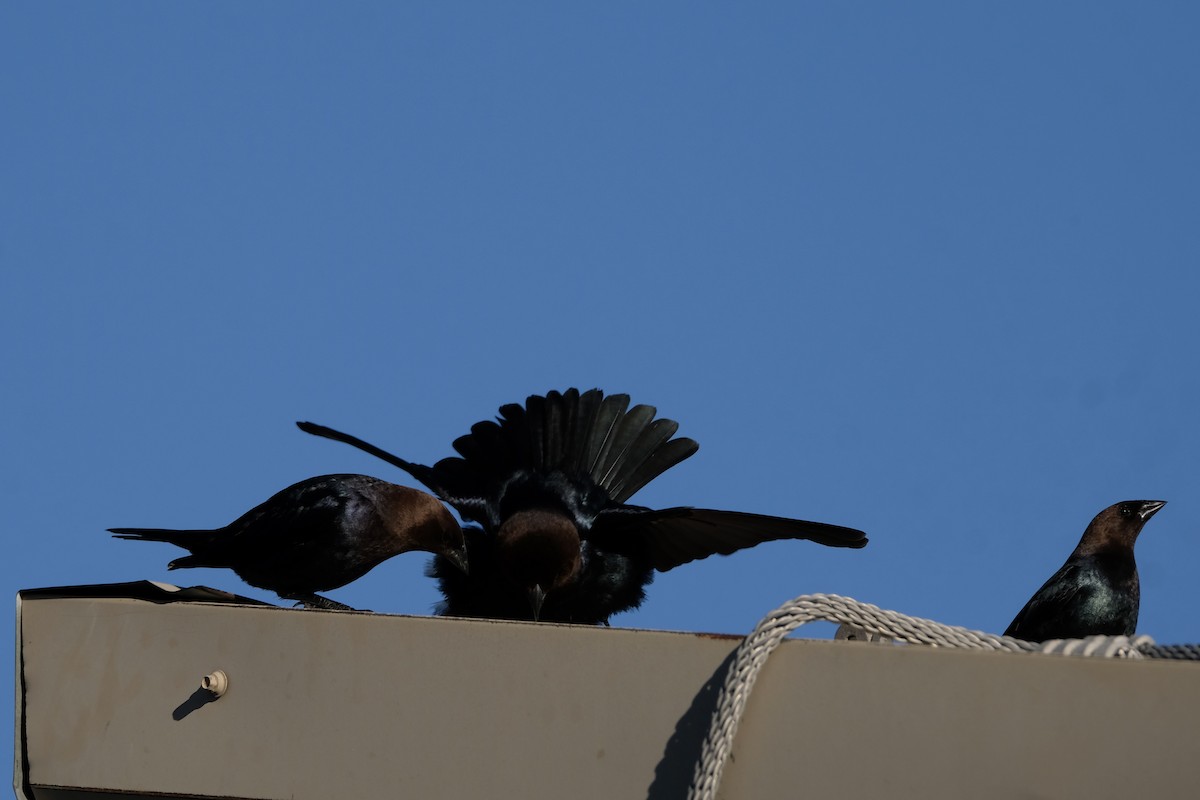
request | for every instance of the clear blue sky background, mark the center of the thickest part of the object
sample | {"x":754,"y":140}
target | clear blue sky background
{"x":930,"y":271}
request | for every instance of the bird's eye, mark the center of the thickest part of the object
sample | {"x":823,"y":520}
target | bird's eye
{"x":1126,"y":511}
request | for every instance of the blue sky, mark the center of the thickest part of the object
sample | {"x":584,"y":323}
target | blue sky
{"x":928,"y":270}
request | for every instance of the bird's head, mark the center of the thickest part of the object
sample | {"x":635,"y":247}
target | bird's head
{"x":1118,"y":526}
{"x":539,"y":551}
{"x":419,"y":521}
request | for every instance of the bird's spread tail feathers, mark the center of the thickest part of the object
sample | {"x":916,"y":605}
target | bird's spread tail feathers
{"x":620,"y":448}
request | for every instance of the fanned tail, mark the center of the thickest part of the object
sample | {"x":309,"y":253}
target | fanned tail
{"x":490,"y":453}
{"x":620,"y":448}
{"x":549,"y":427}
{"x":583,"y":420}
{"x":634,"y":448}
{"x":624,"y":435}
{"x":603,"y":429}
{"x":661,"y":459}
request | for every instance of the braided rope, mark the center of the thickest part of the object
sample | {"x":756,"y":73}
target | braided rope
{"x":874,"y":624}
{"x":1178,"y":652}
{"x":1099,"y":646}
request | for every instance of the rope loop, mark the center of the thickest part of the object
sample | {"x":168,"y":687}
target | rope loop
{"x":865,"y":621}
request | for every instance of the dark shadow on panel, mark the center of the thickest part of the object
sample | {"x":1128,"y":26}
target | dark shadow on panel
{"x":199,"y":698}
{"x":673,"y":775}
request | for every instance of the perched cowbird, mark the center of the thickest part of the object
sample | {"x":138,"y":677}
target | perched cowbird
{"x":1096,"y":593}
{"x":547,"y":482}
{"x":319,"y":534}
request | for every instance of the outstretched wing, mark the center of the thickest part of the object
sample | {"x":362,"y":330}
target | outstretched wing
{"x":675,"y":536}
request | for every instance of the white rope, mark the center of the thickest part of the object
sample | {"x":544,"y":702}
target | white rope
{"x":867,"y":622}
{"x":1098,"y":646}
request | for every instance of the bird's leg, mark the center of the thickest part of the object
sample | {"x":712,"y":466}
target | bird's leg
{"x":316,"y":601}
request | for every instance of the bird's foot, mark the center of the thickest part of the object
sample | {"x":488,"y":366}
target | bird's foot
{"x":316,"y":601}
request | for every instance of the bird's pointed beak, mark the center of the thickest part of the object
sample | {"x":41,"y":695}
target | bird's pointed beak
{"x":459,"y":559}
{"x":536,"y":598}
{"x":1150,"y":508}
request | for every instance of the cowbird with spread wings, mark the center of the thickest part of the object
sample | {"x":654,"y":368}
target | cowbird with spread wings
{"x":1096,"y":593}
{"x":548,"y":482}
{"x":319,"y":534}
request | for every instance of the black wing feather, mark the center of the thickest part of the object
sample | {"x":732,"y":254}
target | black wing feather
{"x":586,"y":409}
{"x":608,"y":417}
{"x":656,"y":456}
{"x":675,"y":536}
{"x":624,"y":435}
{"x":1057,"y":600}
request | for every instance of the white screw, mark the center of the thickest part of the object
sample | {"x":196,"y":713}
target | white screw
{"x":216,"y":682}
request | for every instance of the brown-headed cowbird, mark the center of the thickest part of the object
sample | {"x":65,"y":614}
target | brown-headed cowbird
{"x":1096,"y":593}
{"x":319,"y":534}
{"x":547,"y":484}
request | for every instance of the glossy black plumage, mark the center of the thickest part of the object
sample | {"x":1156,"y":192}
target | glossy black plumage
{"x":1096,"y":592}
{"x":575,"y":458}
{"x":319,"y":534}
